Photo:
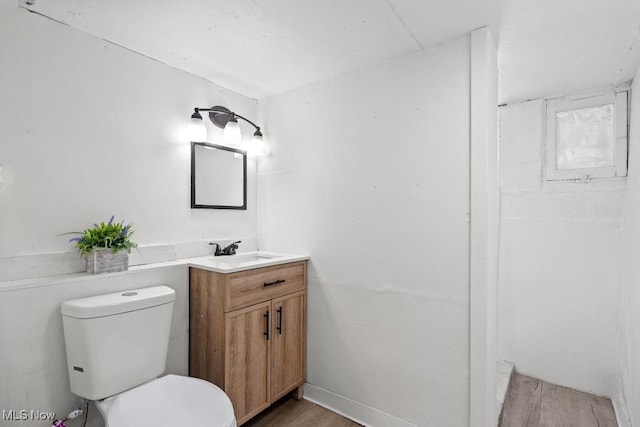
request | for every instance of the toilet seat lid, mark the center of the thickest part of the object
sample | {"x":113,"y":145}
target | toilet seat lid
{"x":171,"y":401}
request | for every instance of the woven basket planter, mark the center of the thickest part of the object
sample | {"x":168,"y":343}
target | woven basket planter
{"x":105,"y":261}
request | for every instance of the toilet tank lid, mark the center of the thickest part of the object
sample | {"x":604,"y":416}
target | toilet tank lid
{"x":117,"y":302}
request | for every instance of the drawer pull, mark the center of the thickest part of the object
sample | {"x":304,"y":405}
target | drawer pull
{"x":277,"y":282}
{"x":266,"y":325}
{"x":279,"y":327}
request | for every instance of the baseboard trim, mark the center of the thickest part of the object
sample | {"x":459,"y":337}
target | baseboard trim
{"x":621,"y":412}
{"x":356,"y":411}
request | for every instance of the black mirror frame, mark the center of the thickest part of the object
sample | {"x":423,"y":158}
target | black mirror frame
{"x":195,"y":205}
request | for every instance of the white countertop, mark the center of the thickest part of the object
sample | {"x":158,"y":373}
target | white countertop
{"x":243,"y":261}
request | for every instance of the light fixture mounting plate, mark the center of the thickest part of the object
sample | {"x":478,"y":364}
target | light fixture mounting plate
{"x":219,"y":116}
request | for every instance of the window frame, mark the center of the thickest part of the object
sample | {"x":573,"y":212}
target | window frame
{"x":620,"y":100}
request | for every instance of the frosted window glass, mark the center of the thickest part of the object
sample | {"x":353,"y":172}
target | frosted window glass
{"x":585,"y":138}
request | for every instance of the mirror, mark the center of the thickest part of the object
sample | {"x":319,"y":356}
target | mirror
{"x":218,"y":177}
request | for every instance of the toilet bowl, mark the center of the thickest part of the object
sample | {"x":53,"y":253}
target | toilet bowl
{"x":169,"y":401}
{"x":116,"y":348}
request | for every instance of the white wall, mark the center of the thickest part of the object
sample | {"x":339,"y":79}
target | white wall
{"x":90,"y":130}
{"x":629,"y":334}
{"x":559,"y":263}
{"x":33,"y":358}
{"x":369,"y":175}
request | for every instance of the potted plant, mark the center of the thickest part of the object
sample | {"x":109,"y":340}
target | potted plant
{"x":106,"y":246}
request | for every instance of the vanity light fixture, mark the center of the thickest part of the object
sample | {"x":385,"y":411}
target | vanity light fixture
{"x":225,"y":119}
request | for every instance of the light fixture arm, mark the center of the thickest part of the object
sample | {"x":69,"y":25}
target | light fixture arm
{"x":248,"y":121}
{"x":220,"y":116}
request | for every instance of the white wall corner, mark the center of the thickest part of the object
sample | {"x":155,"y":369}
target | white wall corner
{"x":504,"y":373}
{"x":620,"y":407}
{"x":484,"y":229}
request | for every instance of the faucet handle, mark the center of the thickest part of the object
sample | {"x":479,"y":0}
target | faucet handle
{"x":218,"y":250}
{"x":231,"y":249}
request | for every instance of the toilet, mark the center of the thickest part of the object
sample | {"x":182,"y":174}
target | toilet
{"x":116,"y":351}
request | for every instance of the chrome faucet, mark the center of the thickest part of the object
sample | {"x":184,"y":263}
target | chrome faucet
{"x":229,"y":250}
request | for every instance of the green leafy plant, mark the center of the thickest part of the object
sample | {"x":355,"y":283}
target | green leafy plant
{"x":110,"y":235}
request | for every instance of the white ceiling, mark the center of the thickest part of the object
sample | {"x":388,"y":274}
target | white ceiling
{"x":264,"y":47}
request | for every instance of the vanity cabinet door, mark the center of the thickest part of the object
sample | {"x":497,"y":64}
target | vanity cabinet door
{"x":247,"y":359}
{"x":288,"y":344}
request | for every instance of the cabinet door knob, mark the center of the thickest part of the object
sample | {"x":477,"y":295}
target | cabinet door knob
{"x":279,"y":327}
{"x":266,"y":325}
{"x":276,"y":282}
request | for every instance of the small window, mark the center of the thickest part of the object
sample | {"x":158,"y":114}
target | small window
{"x":587,"y":138}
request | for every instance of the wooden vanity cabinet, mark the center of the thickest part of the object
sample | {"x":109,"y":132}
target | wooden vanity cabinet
{"x":247,"y":333}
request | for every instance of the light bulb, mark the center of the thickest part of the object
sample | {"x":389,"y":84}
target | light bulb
{"x":258,"y":146}
{"x":231,"y":134}
{"x":196,"y":130}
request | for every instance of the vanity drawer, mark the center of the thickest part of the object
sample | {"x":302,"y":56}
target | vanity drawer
{"x":253,"y":286}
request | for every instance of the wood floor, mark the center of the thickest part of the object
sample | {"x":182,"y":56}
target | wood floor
{"x":529,"y":403}
{"x":290,"y":412}
{"x":534,"y":403}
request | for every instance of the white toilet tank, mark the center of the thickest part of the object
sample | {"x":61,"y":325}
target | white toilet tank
{"x":117,"y":341}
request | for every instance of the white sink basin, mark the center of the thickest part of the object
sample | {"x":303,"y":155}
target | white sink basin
{"x":243,"y":258}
